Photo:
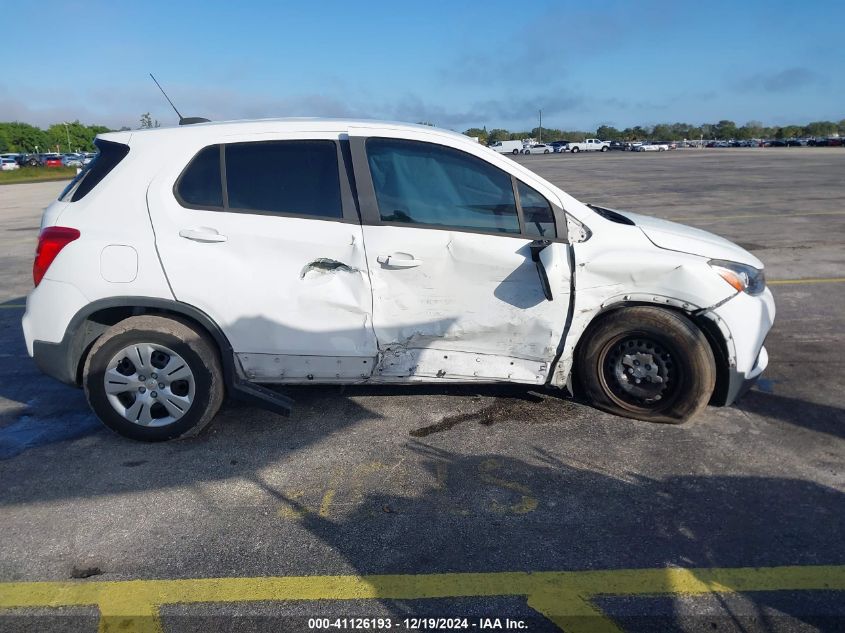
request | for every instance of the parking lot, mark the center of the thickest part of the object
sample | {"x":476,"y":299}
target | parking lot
{"x":499,"y":502}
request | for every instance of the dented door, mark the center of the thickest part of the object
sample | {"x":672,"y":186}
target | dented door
{"x":460,"y":303}
{"x":288,"y":285}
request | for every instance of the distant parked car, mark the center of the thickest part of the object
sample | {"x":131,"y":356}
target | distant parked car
{"x":88,"y":157}
{"x":54,"y":161}
{"x":72,"y":160}
{"x":651,"y":147}
{"x":795,"y":142}
{"x":588,"y":145}
{"x":829,"y":142}
{"x":507,"y":147}
{"x":620,"y":146}
{"x":537,"y":148}
{"x":8,"y":164}
{"x":29,"y":160}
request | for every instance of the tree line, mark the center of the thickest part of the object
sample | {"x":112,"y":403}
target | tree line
{"x":78,"y":137}
{"x":24,"y":138}
{"x":59,"y":137}
{"x":723,"y":130}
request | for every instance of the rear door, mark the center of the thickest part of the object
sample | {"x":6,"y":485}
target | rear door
{"x":457,"y":294}
{"x":263,"y":236}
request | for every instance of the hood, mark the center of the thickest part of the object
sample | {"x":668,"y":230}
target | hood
{"x":679,"y":237}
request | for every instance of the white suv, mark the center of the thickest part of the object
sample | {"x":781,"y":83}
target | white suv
{"x":183,"y":264}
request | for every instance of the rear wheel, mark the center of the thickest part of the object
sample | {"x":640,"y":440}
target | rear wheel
{"x":604,"y":148}
{"x":575,"y":150}
{"x":154,"y":378}
{"x":646,"y":363}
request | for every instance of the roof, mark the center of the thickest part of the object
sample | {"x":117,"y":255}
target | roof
{"x":291,"y":124}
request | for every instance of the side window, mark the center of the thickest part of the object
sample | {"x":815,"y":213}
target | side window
{"x":298,"y":177}
{"x":536,"y":213}
{"x":428,"y":184}
{"x":200,"y":184}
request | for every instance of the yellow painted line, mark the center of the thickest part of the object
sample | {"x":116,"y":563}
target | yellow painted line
{"x":563,"y":597}
{"x":326,"y":503}
{"x":816,"y":280}
{"x":748,"y":216}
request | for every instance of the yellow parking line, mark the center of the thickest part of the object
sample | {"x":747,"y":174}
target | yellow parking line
{"x":563,"y":597}
{"x":816,"y":280}
{"x":746,"y":216}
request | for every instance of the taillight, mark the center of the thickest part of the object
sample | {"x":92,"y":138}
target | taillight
{"x":50,"y":243}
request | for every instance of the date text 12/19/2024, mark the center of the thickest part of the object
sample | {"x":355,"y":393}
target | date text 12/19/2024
{"x":416,"y":624}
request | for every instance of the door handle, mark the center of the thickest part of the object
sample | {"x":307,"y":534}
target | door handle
{"x":202,"y":234}
{"x":395,"y":262}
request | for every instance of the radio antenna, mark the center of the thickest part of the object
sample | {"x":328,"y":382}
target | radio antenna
{"x":182,"y":120}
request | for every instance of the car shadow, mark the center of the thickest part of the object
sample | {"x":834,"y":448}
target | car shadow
{"x":812,"y":416}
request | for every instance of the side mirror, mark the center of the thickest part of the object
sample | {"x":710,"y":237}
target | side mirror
{"x":536,"y":248}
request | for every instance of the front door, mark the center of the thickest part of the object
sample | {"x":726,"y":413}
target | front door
{"x":263,"y":236}
{"x":456,"y":293}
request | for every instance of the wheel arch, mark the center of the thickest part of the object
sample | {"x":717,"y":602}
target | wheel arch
{"x":89,"y":324}
{"x":714,"y":335}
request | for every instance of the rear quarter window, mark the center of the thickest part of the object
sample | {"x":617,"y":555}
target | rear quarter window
{"x":107,"y":159}
{"x":200,"y":185}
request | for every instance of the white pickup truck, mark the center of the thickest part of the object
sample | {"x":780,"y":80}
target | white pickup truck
{"x":590,"y":145}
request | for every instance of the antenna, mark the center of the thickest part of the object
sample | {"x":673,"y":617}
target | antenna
{"x":182,"y":120}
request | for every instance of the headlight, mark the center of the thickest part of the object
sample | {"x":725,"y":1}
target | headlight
{"x":741,"y":276}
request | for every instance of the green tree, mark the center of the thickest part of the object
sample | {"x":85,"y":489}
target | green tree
{"x":790,"y":131}
{"x":821,"y":128}
{"x":725,"y":129}
{"x":480,"y":133}
{"x":147,"y":122}
{"x":22,"y":137}
{"x":608,"y":133}
{"x":498,"y":134}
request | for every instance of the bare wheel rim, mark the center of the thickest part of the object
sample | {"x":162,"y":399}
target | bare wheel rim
{"x":149,"y":384}
{"x":640,"y":372}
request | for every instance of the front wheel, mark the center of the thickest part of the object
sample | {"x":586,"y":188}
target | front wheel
{"x":545,"y":151}
{"x":154,"y":378}
{"x":646,"y":363}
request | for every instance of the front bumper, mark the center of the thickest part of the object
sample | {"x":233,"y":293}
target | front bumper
{"x":744,"y":322}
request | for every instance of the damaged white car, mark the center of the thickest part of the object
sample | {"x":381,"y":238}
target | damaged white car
{"x":189,"y":263}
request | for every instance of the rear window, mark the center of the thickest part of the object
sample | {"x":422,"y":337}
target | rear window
{"x":109,"y":156}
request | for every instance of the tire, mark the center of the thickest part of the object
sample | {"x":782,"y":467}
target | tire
{"x":625,"y":344}
{"x":545,"y":151}
{"x":604,"y":148}
{"x":515,"y":152}
{"x":194,"y":396}
{"x":575,"y":150}
{"x":525,"y":151}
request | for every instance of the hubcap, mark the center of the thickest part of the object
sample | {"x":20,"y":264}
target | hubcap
{"x":640,"y":372}
{"x":149,"y":384}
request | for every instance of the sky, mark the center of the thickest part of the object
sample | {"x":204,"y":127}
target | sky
{"x":455,"y":64}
